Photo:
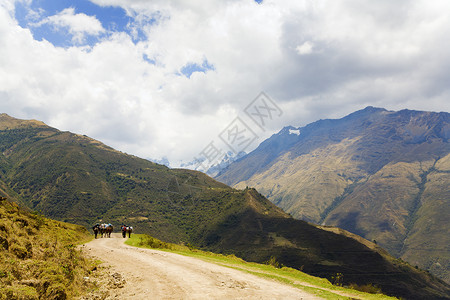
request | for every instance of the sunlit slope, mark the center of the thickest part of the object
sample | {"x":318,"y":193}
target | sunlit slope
{"x":38,"y":259}
{"x":380,"y":174}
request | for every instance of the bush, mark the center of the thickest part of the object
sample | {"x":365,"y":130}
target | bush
{"x":22,"y":292}
{"x":152,"y":242}
{"x":56,"y":291}
{"x":337,"y":279}
{"x":19,"y":251}
{"x":274,"y":262}
{"x":4,"y":243}
{"x":366,"y":288}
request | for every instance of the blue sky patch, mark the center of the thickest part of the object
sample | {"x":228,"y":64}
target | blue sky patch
{"x":190,"y":68}
{"x":148,"y":59}
{"x":113,"y":19}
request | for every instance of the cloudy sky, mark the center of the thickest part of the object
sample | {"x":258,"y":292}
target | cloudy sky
{"x":164,"y":78}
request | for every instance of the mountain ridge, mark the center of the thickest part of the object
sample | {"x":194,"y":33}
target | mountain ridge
{"x":374,"y":172}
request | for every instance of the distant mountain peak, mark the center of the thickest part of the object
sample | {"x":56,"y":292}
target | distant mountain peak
{"x":289,"y":130}
{"x":373,"y":108}
{"x":369,"y":110}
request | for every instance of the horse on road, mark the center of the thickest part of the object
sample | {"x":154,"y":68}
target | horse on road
{"x":96,"y":229}
{"x":106,"y":229}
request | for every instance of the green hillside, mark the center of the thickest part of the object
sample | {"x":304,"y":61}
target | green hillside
{"x":77,"y":179}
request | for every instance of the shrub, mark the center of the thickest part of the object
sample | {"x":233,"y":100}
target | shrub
{"x":19,"y":250}
{"x":19,"y":292}
{"x":366,"y":288}
{"x":153,"y":243}
{"x":274,"y":262}
{"x":4,"y":243}
{"x":22,"y":221}
{"x":337,"y":279}
{"x":56,"y":291}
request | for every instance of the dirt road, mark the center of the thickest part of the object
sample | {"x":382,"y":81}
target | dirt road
{"x":151,"y":274}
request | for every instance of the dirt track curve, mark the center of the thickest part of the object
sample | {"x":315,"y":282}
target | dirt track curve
{"x":153,"y":274}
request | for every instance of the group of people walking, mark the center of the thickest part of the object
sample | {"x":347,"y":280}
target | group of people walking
{"x":126,"y":229}
{"x":106,"y":230}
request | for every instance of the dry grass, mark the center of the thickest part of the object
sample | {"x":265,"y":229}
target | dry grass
{"x":38,"y":258}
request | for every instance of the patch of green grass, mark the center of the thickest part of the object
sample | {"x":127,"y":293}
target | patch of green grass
{"x":315,"y":285}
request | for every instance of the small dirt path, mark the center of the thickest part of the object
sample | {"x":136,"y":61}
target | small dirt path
{"x":151,"y":274}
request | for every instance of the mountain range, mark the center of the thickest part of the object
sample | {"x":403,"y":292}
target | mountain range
{"x":77,"y":179}
{"x":384,"y":175}
{"x":213,"y":170}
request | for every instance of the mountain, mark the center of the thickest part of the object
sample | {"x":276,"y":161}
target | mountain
{"x":77,"y":179}
{"x":213,"y":170}
{"x":226,"y":160}
{"x":163,"y":161}
{"x":383,"y":175}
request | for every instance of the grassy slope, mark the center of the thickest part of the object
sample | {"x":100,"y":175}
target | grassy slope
{"x":314,"y":285}
{"x":295,"y":189}
{"x":38,"y":259}
{"x":404,"y":207}
{"x":431,"y":217}
{"x":318,"y":252}
{"x":79,"y":180}
{"x":370,"y":173}
{"x":379,"y":207}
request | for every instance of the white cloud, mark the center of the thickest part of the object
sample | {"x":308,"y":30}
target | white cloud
{"x":79,"y":25}
{"x":305,"y":48}
{"x":354,"y":53}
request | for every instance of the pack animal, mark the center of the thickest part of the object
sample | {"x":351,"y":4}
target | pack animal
{"x":106,"y":230}
{"x":96,"y":229}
